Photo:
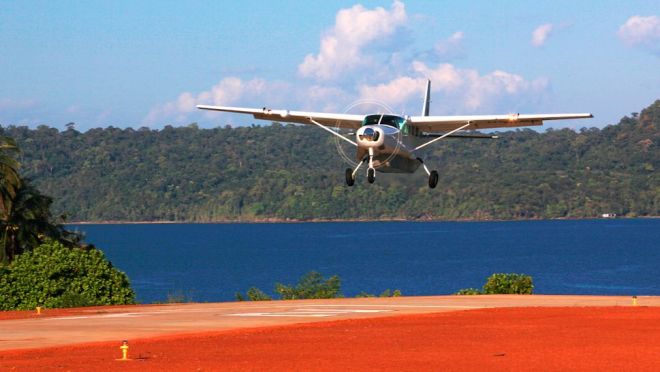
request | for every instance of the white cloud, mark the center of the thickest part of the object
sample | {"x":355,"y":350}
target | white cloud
{"x":456,"y":90}
{"x":641,"y":31}
{"x":394,"y":93}
{"x":342,"y":47}
{"x":228,"y":91}
{"x":450,"y":46}
{"x":459,"y":89}
{"x":357,"y":43}
{"x":324,"y":98}
{"x":540,"y":34}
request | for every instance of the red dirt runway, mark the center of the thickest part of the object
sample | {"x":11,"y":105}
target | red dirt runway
{"x":532,"y":338}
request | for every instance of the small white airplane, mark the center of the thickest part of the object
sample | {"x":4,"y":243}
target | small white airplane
{"x":390,"y":143}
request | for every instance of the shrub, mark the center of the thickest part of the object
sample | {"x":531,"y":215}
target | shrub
{"x":53,"y":275}
{"x":72,"y":299}
{"x":389,"y":293}
{"x":503,"y":284}
{"x":469,"y":291}
{"x":310,"y":285}
{"x":254,"y":294}
{"x":385,"y":293}
{"x":509,"y":284}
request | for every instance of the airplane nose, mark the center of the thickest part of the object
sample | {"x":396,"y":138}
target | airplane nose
{"x":369,"y":134}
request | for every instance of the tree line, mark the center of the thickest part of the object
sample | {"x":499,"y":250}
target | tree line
{"x":293,"y":172}
{"x":41,"y":263}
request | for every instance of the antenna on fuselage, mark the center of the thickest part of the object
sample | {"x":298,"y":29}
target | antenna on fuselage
{"x":427,"y":98}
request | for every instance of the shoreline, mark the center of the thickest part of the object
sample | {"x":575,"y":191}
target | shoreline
{"x":323,"y":220}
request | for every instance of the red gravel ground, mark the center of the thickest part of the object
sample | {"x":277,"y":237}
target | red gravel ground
{"x":558,"y":339}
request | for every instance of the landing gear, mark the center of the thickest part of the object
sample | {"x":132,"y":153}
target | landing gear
{"x":371,"y":172}
{"x":433,"y":179}
{"x":350,"y":180}
{"x":350,"y":173}
{"x":433,"y":175}
{"x":371,"y":175}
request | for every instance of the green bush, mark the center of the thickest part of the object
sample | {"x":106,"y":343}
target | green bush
{"x":256,"y":294}
{"x":72,"y":299}
{"x":53,"y":275}
{"x":253,"y":294}
{"x":385,"y":293}
{"x":390,"y":293}
{"x":503,"y":284}
{"x":469,"y":291}
{"x":311,"y":285}
{"x":509,"y":284}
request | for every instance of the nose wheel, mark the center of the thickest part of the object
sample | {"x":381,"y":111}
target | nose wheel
{"x":371,"y":172}
{"x":350,"y":173}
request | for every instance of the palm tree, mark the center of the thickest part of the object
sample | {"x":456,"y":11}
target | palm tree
{"x":25,"y":219}
{"x":29,"y":223}
{"x":10,"y":182}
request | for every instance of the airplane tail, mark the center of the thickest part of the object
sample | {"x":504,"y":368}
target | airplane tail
{"x":427,"y":99}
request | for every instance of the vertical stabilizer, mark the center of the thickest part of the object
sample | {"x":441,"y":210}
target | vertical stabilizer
{"x":427,"y":99}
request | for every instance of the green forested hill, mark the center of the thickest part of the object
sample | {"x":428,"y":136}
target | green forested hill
{"x":191,"y":174}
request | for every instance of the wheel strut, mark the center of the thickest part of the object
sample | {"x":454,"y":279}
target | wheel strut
{"x":433,"y":175}
{"x":371,"y":171}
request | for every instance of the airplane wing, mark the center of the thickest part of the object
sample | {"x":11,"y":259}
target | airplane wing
{"x":300,"y":117}
{"x":448,"y":123}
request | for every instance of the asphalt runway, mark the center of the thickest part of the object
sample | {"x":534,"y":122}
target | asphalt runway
{"x":144,"y":321}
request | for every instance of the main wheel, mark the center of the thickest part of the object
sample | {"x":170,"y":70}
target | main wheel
{"x":433,"y":179}
{"x":349,"y":177}
{"x":371,"y":175}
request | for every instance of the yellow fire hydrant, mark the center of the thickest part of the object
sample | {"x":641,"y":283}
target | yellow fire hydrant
{"x":634,"y":300}
{"x":124,"y":350}
{"x":38,"y":310}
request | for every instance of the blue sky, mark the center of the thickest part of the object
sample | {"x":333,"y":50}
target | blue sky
{"x":126,"y":63}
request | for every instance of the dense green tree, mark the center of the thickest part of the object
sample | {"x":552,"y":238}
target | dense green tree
{"x":25,"y":217}
{"x":294,"y":172}
{"x":53,"y":275}
{"x":10,"y":182}
{"x":29,"y":222}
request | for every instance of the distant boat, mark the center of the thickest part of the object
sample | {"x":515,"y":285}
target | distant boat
{"x":608,"y":215}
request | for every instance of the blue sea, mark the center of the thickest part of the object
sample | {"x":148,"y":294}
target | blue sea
{"x":211,"y":262}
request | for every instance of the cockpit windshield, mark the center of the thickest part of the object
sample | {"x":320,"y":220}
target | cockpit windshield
{"x":391,"y":120}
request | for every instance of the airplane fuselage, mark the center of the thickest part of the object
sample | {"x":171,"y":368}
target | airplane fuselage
{"x":391,"y":144}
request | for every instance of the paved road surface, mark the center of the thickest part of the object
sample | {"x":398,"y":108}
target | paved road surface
{"x":131,"y":322}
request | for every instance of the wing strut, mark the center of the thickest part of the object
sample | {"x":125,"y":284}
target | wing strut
{"x":332,"y":131}
{"x":443,"y":136}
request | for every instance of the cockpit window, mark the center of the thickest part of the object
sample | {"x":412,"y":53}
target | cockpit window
{"x":391,"y":120}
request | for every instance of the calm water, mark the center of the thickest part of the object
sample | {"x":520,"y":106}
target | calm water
{"x":210,"y":262}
